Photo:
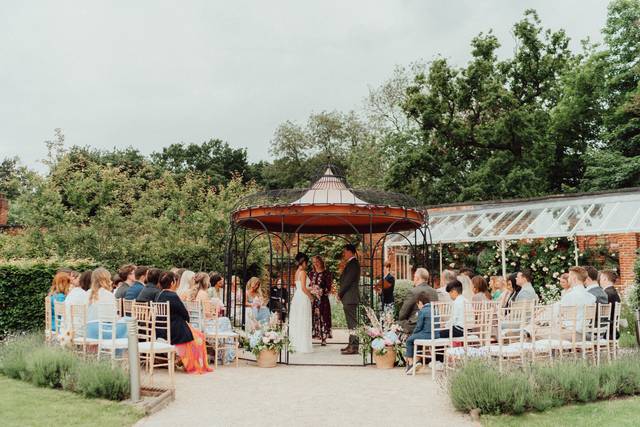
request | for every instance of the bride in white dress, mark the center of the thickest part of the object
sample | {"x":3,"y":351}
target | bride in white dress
{"x":300,"y":313}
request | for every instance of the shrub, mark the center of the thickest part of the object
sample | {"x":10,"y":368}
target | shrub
{"x":400,"y":292}
{"x":478,"y":384}
{"x":13,"y":355}
{"x":98,"y":379}
{"x":23,"y":286}
{"x":48,"y":366}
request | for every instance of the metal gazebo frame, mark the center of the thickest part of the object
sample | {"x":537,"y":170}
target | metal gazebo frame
{"x":327,"y":208}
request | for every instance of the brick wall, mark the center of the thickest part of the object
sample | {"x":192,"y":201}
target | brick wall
{"x":4,"y":210}
{"x":625,"y":244}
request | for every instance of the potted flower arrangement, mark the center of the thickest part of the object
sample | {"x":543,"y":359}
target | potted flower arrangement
{"x":267,"y":342}
{"x":382,"y":339}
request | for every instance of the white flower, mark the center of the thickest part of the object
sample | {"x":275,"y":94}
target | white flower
{"x":513,"y":263}
{"x":563,"y":258}
{"x":453,"y":264}
{"x":555,"y":275}
{"x":545,"y":269}
{"x":546,"y":250}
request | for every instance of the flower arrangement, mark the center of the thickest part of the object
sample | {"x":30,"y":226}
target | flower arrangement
{"x":316,"y":291}
{"x":270,"y":337}
{"x":381,"y":336}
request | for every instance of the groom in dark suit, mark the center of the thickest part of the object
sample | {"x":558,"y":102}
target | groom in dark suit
{"x":349,"y":294}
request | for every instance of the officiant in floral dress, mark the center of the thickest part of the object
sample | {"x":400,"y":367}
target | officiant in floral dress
{"x":322,"y":279}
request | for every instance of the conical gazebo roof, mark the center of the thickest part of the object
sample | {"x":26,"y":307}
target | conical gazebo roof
{"x":328,"y":206}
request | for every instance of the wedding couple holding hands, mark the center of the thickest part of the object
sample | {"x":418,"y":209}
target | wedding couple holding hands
{"x":310,"y":312}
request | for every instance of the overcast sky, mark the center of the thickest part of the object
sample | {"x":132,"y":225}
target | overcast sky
{"x":150,"y":73}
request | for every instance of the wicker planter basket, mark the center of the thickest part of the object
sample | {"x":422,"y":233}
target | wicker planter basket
{"x":267,"y":359}
{"x":387,"y":360}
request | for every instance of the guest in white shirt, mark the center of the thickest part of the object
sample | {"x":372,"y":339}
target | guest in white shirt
{"x":577,"y":295}
{"x":102,"y":300}
{"x":454,"y":289}
{"x":77,"y":295}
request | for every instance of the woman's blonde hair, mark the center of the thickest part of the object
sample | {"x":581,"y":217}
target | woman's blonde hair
{"x":200,"y":281}
{"x":251,"y":283}
{"x":100,"y":278}
{"x":320,"y":261}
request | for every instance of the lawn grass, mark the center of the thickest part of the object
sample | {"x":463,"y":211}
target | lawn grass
{"x":621,"y":412}
{"x":23,"y":404}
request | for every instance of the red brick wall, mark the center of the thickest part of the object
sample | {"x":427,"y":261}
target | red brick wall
{"x":625,"y":244}
{"x":4,"y":210}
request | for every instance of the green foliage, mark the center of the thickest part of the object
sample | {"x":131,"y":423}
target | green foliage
{"x":27,"y":358}
{"x":479,"y":384}
{"x":23,"y":286}
{"x":400,"y":292}
{"x":100,"y":379}
{"x":48,"y":366}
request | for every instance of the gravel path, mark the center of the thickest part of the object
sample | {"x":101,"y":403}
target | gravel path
{"x":307,"y":396}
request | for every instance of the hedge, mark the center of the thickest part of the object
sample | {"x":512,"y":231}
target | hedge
{"x":23,"y":286}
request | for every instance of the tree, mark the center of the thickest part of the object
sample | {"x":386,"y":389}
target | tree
{"x":15,"y":179}
{"x":214,"y":158}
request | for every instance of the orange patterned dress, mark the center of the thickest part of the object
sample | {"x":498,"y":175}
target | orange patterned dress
{"x":193,"y":354}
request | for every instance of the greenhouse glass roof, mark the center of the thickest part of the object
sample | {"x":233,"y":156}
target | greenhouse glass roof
{"x":555,"y":216}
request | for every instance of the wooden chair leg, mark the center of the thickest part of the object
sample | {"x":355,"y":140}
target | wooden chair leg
{"x":172,"y":367}
{"x":216,"y":352}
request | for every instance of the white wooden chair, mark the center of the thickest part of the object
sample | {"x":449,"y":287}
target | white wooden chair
{"x":127,"y":309}
{"x":429,"y":348}
{"x":615,"y":327}
{"x":59,"y":319}
{"x":219,"y":340}
{"x":48,"y":322}
{"x":513,"y":323}
{"x":601,"y":338}
{"x":119,"y":311}
{"x":77,"y":314}
{"x":586,"y":335}
{"x":150,"y":320}
{"x":108,"y":343}
{"x":196,"y":316}
{"x":476,"y":339}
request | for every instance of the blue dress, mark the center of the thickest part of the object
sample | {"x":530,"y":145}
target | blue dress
{"x":55,"y":297}
{"x":422,"y":330}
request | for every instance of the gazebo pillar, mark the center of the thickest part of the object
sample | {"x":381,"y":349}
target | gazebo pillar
{"x":440,"y":254}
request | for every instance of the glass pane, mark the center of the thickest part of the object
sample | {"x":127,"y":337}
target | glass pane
{"x":594,"y":219}
{"x":622,"y":217}
{"x":482,"y":224}
{"x":457,"y":231}
{"x":544,"y":221}
{"x":502,"y":223}
{"x":570,"y":218}
{"x":523,"y":223}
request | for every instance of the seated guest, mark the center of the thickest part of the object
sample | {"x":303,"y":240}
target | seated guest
{"x":127,"y":276}
{"x":422,"y":331}
{"x":85,"y":280}
{"x":100,"y":298}
{"x":526,"y":293}
{"x":448,"y":276}
{"x":467,"y":286}
{"x":497,"y":287}
{"x":77,"y":295}
{"x":186,"y":284}
{"x":457,"y":311}
{"x":257,"y":301}
{"x":278,"y":299}
{"x":151,"y":289}
{"x":593,"y":287}
{"x":608,"y":279}
{"x":200,"y":291}
{"x":480,"y":289}
{"x":564,"y":283}
{"x":577,"y":296}
{"x":216,"y":290}
{"x":140,"y":273}
{"x":408,"y":316}
{"x":189,"y":342}
{"x":58,"y":292}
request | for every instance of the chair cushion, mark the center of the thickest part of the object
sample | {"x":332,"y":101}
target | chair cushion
{"x":119,"y":343}
{"x":158,"y":347}
{"x":545,"y":344}
{"x":225,"y":334}
{"x":506,"y":350}
{"x":80,"y":340}
{"x":469,"y":352}
{"x":434,"y":342}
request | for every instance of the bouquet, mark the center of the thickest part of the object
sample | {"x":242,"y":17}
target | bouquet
{"x":316,"y":291}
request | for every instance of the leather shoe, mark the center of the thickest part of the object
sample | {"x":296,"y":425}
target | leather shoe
{"x":346,"y":348}
{"x":350,"y":350}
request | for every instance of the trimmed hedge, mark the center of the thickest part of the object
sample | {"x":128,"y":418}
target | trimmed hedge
{"x":23,"y":286}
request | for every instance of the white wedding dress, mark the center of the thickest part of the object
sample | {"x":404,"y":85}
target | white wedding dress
{"x":300,"y":320}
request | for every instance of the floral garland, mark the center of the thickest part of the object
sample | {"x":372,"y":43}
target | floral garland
{"x":380,"y":336}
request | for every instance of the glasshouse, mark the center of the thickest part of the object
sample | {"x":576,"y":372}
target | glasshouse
{"x":497,"y":237}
